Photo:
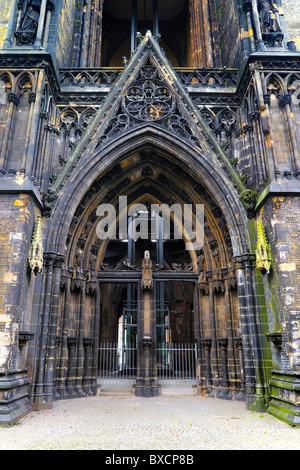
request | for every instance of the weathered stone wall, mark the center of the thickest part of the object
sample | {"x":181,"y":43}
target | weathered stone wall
{"x":4,"y":15}
{"x":226,"y":16}
{"x":16,"y":224}
{"x":291,"y":9}
{"x":62,"y":32}
{"x":281,"y":219}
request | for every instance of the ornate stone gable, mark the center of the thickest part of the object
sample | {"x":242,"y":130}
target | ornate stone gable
{"x":148,"y":92}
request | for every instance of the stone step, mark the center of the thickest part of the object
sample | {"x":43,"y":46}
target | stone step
{"x":178,"y":388}
{"x":116,"y":391}
{"x":174,"y":391}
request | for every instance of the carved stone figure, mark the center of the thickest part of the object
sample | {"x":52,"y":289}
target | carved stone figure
{"x":78,"y":258}
{"x":271,"y":28}
{"x":93,"y":262}
{"x":30,"y":15}
{"x":216,"y":256}
{"x":201,"y":260}
{"x":147,"y":280}
{"x":270,"y":20}
{"x":49,"y":199}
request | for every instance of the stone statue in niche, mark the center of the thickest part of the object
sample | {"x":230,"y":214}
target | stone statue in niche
{"x":270,"y":21}
{"x":216,"y":256}
{"x":147,"y":280}
{"x":93,"y":262}
{"x":200,"y":260}
{"x":30,"y":15}
{"x":29,"y":20}
{"x":271,"y":28}
{"x":78,"y":258}
{"x":87,"y":229}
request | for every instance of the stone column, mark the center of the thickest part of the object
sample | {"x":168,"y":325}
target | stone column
{"x":207,"y":383}
{"x":50,"y":361}
{"x":247,"y":7}
{"x":249,"y":327}
{"x":285,"y":104}
{"x":214,"y":351}
{"x":239,"y":345}
{"x":225,"y":392}
{"x":56,"y":394}
{"x":146,"y":384}
{"x":71,"y":343}
{"x":50,"y":8}
{"x":13,"y":103}
{"x":260,"y":43}
{"x":86,"y":383}
{"x":39,"y":35}
{"x":8,"y":42}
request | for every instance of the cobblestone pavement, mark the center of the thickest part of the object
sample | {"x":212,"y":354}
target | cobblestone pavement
{"x":162,"y":423}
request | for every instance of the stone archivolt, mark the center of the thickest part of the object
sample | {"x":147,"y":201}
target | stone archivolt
{"x":74,"y":138}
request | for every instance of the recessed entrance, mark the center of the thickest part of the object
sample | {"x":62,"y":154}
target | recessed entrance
{"x":146,"y":335}
{"x":148,"y":312}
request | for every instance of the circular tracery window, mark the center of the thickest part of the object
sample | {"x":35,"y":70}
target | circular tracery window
{"x":148,"y":100}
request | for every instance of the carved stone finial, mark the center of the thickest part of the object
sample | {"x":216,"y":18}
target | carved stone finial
{"x":263,"y":250}
{"x":36,"y":252}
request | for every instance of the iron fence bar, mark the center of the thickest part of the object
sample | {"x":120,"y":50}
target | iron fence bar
{"x":177,"y":360}
{"x":116,"y":362}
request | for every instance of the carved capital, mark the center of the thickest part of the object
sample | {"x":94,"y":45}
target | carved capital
{"x":13,"y":98}
{"x":88,"y":342}
{"x":25,"y":336}
{"x":77,"y":284}
{"x":91,"y":287}
{"x":285,"y":100}
{"x":247,"y":260}
{"x":72,"y":342}
{"x":222,"y":342}
{"x":203,"y":287}
{"x":50,"y":5}
{"x":206,"y":343}
{"x":275,"y":338}
{"x":238,"y":341}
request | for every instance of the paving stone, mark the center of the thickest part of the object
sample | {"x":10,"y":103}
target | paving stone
{"x":161,"y":423}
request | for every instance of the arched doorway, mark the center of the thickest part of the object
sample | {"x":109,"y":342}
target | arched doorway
{"x":149,"y":143}
{"x":200,"y":287}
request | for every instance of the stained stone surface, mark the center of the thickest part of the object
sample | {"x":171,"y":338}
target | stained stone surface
{"x":292,"y":20}
{"x":4,"y":14}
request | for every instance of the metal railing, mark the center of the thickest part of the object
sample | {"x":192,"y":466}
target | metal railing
{"x":177,"y":361}
{"x":115,"y":362}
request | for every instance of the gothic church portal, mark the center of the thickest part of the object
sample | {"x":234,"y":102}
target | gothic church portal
{"x":164,"y":104}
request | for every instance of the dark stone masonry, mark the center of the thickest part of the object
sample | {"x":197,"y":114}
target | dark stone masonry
{"x":115,"y":117}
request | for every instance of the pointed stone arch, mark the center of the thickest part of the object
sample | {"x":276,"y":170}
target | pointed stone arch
{"x":150,"y":136}
{"x":107,"y":161}
{"x":102,"y":178}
